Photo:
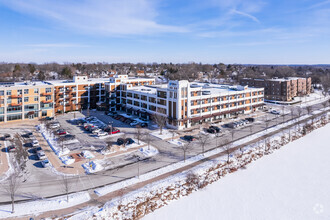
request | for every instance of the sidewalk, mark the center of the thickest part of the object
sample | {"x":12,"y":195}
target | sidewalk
{"x":3,"y":160}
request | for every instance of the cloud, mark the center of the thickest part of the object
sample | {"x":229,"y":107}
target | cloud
{"x":58,"y":45}
{"x":109,"y":17}
{"x":234,"y":11}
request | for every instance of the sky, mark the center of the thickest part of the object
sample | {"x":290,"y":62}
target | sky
{"x":177,"y":31}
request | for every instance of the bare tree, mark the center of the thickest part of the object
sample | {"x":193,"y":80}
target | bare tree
{"x":160,"y":119}
{"x":232,"y":132}
{"x":267,"y":124}
{"x":309,"y":109}
{"x":147,"y":139}
{"x":66,"y":186}
{"x":138,"y":133}
{"x":299,"y":111}
{"x":185,"y":148}
{"x":21,"y":154}
{"x":226,"y":149}
{"x":173,"y":132}
{"x":292,"y":113}
{"x":283,"y":113}
{"x":203,"y":140}
{"x":12,"y":186}
{"x":324,"y":104}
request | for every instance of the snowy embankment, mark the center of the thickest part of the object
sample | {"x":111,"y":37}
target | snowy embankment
{"x":153,"y":196}
{"x":292,"y":183}
{"x":43,"y":205}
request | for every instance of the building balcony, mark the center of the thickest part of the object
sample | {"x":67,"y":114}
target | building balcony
{"x":15,"y":104}
{"x":46,"y":101}
{"x":15,"y":96}
{"x":46,"y":94}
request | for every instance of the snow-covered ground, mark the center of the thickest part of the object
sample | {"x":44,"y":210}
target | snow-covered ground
{"x":291,"y":183}
{"x":177,"y":142}
{"x":39,"y":206}
{"x":166,"y":134}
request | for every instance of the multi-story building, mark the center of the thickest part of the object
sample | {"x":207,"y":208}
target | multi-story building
{"x":183,"y":103}
{"x":281,"y":89}
{"x":28,"y":100}
{"x":20,"y":101}
{"x":186,"y":104}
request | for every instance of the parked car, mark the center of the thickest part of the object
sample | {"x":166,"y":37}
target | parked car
{"x":49,"y":118}
{"x":128,"y":121}
{"x":217,"y":129}
{"x":118,"y":117}
{"x":275,"y":112}
{"x":96,"y":131}
{"x":250,"y":119}
{"x":211,"y":130}
{"x":28,"y":134}
{"x":114,"y":131}
{"x":35,"y":143}
{"x":120,"y":141}
{"x":45,"y":163}
{"x":54,"y":125}
{"x":129,"y":141}
{"x":36,"y":149}
{"x":134,"y":123}
{"x":112,"y":114}
{"x":189,"y":138}
{"x":143,"y":124}
{"x":61,"y":132}
{"x":11,"y":148}
{"x":69,"y":137}
{"x":102,"y":133}
{"x":41,"y":155}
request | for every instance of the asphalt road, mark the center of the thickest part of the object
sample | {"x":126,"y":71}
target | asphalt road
{"x":46,"y":185}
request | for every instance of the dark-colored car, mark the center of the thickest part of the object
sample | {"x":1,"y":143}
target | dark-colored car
{"x":129,"y":141}
{"x":144,"y":125}
{"x":49,"y":118}
{"x":36,"y":149}
{"x":217,"y":129}
{"x":250,"y":119}
{"x":120,"y":141}
{"x":211,"y":130}
{"x":189,"y":138}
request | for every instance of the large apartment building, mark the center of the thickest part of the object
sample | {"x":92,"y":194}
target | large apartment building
{"x":284,"y":89}
{"x":19,"y":101}
{"x":29,"y":100}
{"x":187,"y":104}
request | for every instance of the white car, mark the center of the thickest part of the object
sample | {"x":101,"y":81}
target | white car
{"x":35,"y":143}
{"x":102,"y":133}
{"x":275,"y":112}
{"x":54,"y":126}
{"x":96,"y":131}
{"x":45,"y":163}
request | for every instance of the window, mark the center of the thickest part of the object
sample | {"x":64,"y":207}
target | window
{"x":36,"y":98}
{"x":2,"y":110}
{"x":2,"y":92}
{"x":36,"y":91}
{"x":30,"y":107}
{"x":14,"y":117}
{"x":8,"y":101}
{"x":26,"y":91}
{"x":48,"y":97}
{"x":26,"y":99}
{"x":8,"y":92}
{"x":19,"y":100}
{"x":48,"y":90}
{"x":19,"y":92}
{"x":44,"y":113}
{"x":14,"y":109}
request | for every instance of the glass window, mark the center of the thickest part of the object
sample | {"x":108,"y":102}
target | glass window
{"x":36,"y":91}
{"x":14,"y":117}
{"x":26,"y":99}
{"x":8,"y":101}
{"x":44,"y":113}
{"x":8,"y":92}
{"x":48,"y":90}
{"x":36,"y":98}
{"x":19,"y":92}
{"x":2,"y":92}
{"x":26,"y":91}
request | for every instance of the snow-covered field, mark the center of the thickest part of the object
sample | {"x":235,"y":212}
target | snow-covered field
{"x":166,"y":134}
{"x":291,"y":183}
{"x":39,"y":206}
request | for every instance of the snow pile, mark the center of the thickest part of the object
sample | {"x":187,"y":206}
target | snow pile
{"x":166,"y":134}
{"x":177,"y":142}
{"x":135,"y":144}
{"x":148,"y":151}
{"x":51,"y":140}
{"x":87,"y":154}
{"x":92,"y":167}
{"x":67,"y":160}
{"x":43,"y":205}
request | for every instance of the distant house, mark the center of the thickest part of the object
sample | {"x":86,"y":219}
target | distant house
{"x":140,"y":73}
